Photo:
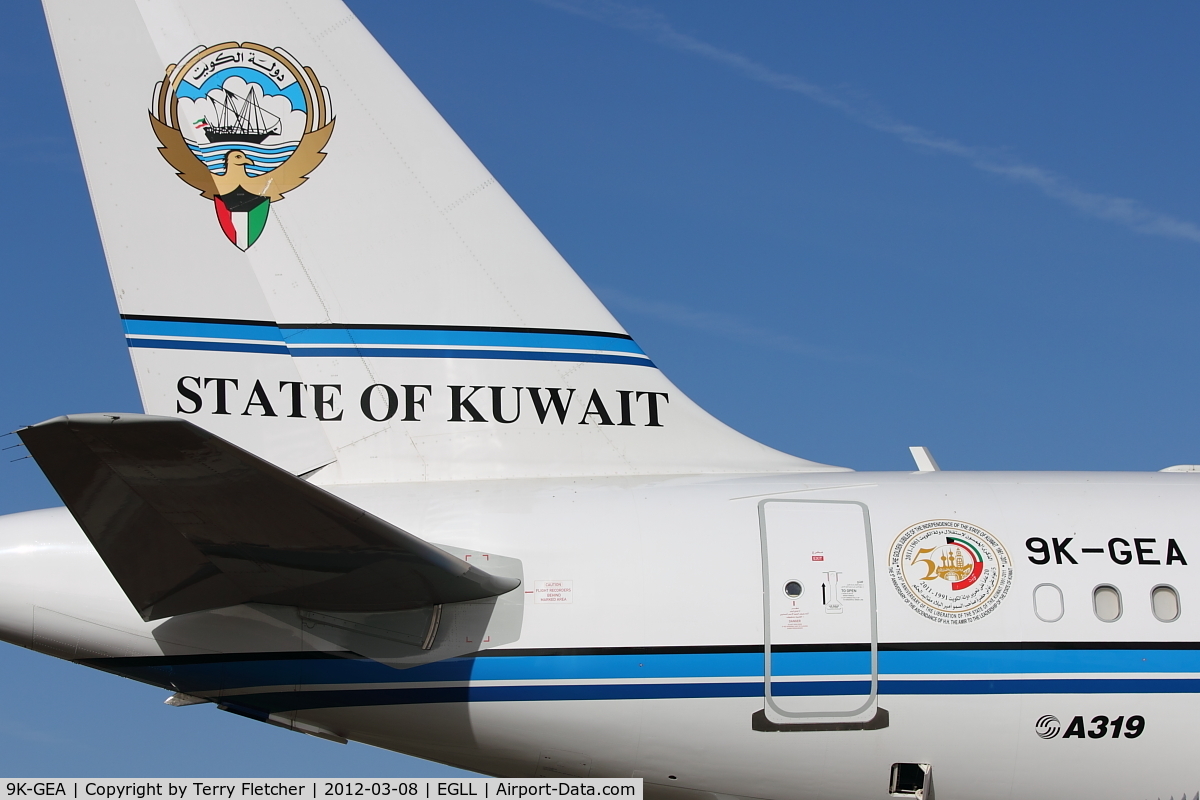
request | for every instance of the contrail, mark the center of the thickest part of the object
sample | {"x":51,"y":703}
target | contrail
{"x":655,"y":27}
{"x":736,"y":329}
{"x":718,"y":323}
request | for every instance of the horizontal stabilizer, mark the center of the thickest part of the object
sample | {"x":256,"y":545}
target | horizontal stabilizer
{"x":187,"y":521}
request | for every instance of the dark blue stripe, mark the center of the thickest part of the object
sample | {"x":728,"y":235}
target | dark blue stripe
{"x":228,"y":347}
{"x":505,"y":355}
{"x":275,"y":702}
{"x":1044,"y":686}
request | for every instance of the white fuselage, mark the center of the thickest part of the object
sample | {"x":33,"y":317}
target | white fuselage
{"x":641,"y":635}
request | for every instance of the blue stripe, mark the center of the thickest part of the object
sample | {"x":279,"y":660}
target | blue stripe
{"x":219,"y":158}
{"x":231,"y":347}
{"x":708,"y":665}
{"x":458,"y":339}
{"x":949,"y":664}
{"x":371,"y":336}
{"x":1045,"y":686}
{"x":1033,"y":661}
{"x":333,"y":352}
{"x":206,"y":330}
{"x":503,"y":355}
{"x":257,"y":149}
{"x":746,"y":665}
{"x":359,"y":342}
{"x":275,"y":702}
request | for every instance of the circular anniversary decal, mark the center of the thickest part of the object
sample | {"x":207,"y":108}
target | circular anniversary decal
{"x":949,"y":571}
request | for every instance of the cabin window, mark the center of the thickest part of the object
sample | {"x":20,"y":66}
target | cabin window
{"x":1106,"y":600}
{"x":793,"y":589}
{"x":1165,"y":602}
{"x":1048,"y":602}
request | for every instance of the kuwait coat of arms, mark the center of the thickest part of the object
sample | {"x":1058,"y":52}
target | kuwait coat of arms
{"x":244,"y":124}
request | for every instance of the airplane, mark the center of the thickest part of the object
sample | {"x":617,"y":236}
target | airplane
{"x":402,"y":479}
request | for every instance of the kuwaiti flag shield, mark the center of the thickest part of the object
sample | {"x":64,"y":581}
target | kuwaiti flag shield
{"x":242,"y":215}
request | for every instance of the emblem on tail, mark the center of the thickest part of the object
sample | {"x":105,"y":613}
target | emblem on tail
{"x":244,"y":124}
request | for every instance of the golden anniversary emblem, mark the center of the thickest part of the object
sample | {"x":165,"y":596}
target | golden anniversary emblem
{"x":949,"y":571}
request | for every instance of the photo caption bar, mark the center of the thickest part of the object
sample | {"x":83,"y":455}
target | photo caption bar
{"x":246,"y":789}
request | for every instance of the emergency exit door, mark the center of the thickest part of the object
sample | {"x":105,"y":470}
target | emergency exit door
{"x":820,"y":630}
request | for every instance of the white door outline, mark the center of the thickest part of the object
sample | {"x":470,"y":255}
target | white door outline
{"x":762,"y":534}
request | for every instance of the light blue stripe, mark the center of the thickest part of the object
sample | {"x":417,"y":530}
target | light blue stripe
{"x":210,"y":161}
{"x":219,"y":156}
{"x":223,"y":147}
{"x":293,"y":92}
{"x":515,"y":668}
{"x":730,"y":665}
{"x":1034,"y":661}
{"x":257,"y":159}
{"x":206,"y":330}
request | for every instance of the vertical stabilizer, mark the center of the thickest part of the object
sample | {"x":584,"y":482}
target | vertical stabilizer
{"x":313,"y":265}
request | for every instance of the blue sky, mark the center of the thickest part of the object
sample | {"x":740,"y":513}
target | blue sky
{"x":842,"y":228}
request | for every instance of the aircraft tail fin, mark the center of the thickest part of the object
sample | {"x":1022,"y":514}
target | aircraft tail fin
{"x":311,"y":264}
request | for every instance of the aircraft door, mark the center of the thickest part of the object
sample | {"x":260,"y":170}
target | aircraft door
{"x":820,"y":629}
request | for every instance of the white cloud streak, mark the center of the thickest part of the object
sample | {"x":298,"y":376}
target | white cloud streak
{"x":16,"y":730}
{"x":725,"y":325}
{"x":654,"y":27}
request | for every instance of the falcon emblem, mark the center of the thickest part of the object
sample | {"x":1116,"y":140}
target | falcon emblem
{"x":243,"y":124}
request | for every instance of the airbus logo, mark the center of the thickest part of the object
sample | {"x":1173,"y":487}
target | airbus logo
{"x":1099,"y":727}
{"x":1047,"y":726}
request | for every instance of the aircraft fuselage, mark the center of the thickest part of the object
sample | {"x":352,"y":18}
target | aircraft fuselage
{"x":642,"y":619}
